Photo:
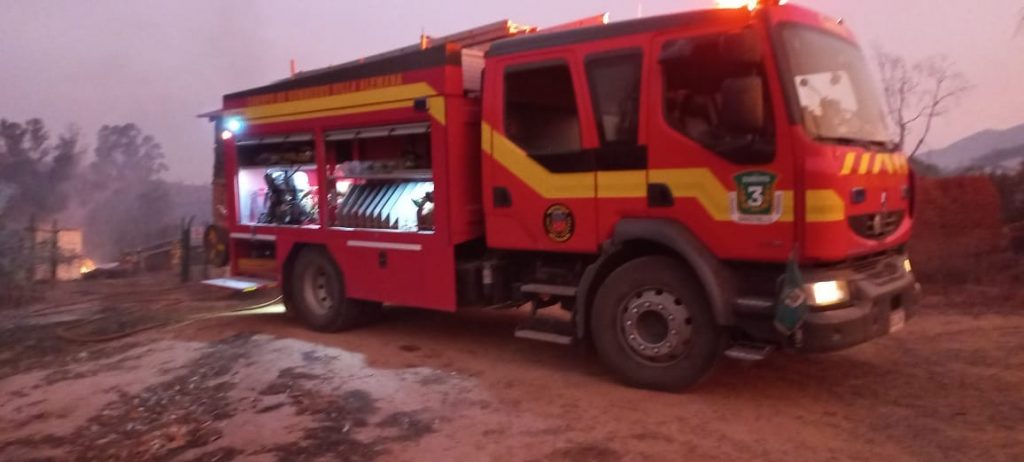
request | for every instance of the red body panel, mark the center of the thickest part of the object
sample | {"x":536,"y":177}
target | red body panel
{"x":420,"y":267}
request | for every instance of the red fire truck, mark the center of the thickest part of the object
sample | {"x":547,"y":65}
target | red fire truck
{"x":674,"y":183}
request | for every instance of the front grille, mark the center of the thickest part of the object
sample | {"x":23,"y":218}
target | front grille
{"x":876,"y":225}
{"x":878,"y":267}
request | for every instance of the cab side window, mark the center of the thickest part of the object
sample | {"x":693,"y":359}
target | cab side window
{"x":615,"y":92}
{"x":540,"y":108}
{"x":701,"y":97}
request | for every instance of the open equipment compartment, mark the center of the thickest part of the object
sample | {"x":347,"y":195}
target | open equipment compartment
{"x":382,"y":178}
{"x":277,"y":180}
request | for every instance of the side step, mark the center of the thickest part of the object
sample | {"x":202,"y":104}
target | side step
{"x":240,"y":283}
{"x":749,"y":351}
{"x":544,"y":336}
{"x":549,"y":289}
{"x":547,"y":330}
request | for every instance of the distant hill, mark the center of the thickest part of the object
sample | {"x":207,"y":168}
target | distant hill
{"x":989,"y":148}
{"x":1011,"y":158}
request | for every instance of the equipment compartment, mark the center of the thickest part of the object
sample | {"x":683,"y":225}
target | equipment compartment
{"x":277,"y":181}
{"x":382,"y":177}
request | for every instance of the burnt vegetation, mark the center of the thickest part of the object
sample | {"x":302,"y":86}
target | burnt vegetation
{"x":114,"y":191}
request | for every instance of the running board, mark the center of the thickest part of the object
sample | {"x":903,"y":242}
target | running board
{"x":541,"y":336}
{"x":546,"y":329}
{"x":549,"y":289}
{"x":240,"y":284}
{"x":749,"y":351}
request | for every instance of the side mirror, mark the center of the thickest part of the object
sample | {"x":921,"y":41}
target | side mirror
{"x":743,"y":104}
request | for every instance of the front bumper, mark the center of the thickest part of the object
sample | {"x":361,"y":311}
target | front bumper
{"x":875,"y":296}
{"x":878,"y":288}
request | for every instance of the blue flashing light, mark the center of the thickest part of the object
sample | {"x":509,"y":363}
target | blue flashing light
{"x":234,"y":124}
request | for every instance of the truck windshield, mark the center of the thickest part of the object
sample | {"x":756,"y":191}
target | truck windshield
{"x":834,"y":92}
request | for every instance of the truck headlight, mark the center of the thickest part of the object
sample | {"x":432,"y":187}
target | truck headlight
{"x":827,"y":293}
{"x":906,"y":265}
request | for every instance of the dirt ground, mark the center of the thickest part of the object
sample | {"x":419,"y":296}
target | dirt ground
{"x":431,"y":386}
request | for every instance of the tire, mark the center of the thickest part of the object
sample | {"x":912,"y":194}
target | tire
{"x":653,"y":327}
{"x":315,"y":293}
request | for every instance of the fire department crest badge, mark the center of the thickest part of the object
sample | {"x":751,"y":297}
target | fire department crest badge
{"x":756,"y":201}
{"x":559,"y":223}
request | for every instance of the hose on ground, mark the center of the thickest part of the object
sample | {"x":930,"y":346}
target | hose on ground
{"x":66,"y":333}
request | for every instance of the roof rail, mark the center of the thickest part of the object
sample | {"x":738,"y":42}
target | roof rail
{"x":596,"y":20}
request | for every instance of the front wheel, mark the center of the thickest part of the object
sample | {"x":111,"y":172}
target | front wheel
{"x":653,"y":327}
{"x":315,"y":292}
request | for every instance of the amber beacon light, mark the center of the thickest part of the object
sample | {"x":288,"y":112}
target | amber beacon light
{"x":748,"y":4}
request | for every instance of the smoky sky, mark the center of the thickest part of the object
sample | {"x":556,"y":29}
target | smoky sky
{"x":159,"y":63}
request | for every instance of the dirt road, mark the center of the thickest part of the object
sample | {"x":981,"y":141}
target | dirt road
{"x":430,"y":386}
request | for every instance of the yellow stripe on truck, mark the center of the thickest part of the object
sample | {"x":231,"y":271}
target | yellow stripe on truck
{"x":348,"y":103}
{"x":547,"y":184}
{"x":700,"y":184}
{"x":622,"y":184}
{"x":824,"y":205}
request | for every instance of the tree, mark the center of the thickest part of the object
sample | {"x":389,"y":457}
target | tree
{"x":917,"y":94}
{"x":35,"y":174}
{"x":35,"y":181}
{"x":129,"y":204}
{"x":925,"y":168}
{"x":124,"y":154}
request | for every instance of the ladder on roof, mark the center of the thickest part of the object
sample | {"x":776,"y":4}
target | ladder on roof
{"x":478,"y":38}
{"x":481,"y":36}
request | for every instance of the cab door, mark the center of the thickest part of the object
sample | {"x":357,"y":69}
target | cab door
{"x":539,"y":173}
{"x":715,"y":164}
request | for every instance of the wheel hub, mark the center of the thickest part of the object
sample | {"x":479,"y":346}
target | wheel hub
{"x":656,"y":325}
{"x":317,"y":292}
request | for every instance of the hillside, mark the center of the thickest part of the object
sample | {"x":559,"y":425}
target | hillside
{"x":1010,"y":158}
{"x":986,"y":148}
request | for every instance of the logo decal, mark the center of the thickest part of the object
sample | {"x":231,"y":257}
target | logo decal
{"x":559,"y":223}
{"x":756,"y":201}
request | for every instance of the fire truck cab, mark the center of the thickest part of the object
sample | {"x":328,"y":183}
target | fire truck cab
{"x":674,"y":183}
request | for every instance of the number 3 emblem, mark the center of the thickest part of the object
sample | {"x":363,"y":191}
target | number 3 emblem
{"x":755,"y":196}
{"x":755,"y":200}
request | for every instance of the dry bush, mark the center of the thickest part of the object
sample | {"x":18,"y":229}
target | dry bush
{"x":959,"y":231}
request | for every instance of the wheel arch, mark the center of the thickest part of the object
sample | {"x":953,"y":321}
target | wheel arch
{"x":637,"y":237}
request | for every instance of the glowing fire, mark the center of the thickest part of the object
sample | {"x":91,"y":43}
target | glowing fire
{"x":87,"y":265}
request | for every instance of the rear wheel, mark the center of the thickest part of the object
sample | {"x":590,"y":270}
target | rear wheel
{"x":315,"y":292}
{"x":653,"y":327}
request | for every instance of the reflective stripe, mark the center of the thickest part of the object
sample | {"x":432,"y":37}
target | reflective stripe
{"x":254,"y":237}
{"x":386,"y":245}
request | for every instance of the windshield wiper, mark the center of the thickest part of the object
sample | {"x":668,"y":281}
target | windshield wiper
{"x":866,"y":144}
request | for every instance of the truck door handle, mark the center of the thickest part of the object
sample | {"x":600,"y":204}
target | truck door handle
{"x":502,"y":198}
{"x":659,"y":195}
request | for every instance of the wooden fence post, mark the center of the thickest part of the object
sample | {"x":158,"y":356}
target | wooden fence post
{"x":31,"y":242}
{"x":54,"y":252}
